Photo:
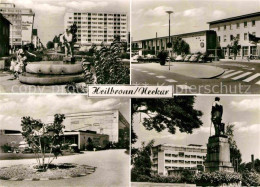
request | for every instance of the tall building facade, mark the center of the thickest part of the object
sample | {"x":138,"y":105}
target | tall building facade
{"x":4,"y":33}
{"x":22,"y":21}
{"x":97,"y":28}
{"x":167,"y":158}
{"x":110,"y":122}
{"x":240,"y":27}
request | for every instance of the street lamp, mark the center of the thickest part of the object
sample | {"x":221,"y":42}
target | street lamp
{"x":169,"y":44}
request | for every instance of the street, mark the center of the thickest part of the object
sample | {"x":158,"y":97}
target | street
{"x":112,"y":170}
{"x":236,"y":77}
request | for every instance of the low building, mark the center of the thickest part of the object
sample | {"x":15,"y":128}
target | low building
{"x":109,"y":122}
{"x":169,"y":159}
{"x":83,"y":138}
{"x":239,"y":26}
{"x":4,"y":33}
{"x":201,"y":41}
{"x":10,"y":138}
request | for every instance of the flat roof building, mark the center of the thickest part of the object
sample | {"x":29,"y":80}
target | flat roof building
{"x":240,"y":27}
{"x":168,"y":158}
{"x":109,"y":122}
{"x":97,"y":27}
{"x":22,"y":21}
{"x":201,"y":41}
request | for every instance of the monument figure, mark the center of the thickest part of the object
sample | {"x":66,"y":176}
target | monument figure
{"x":67,"y":41}
{"x":218,"y":150}
{"x":216,"y":117}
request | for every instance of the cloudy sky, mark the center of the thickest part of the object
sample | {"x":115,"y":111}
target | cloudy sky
{"x":149,"y":17}
{"x":13,"y":107}
{"x":49,"y":14}
{"x":242,"y":111}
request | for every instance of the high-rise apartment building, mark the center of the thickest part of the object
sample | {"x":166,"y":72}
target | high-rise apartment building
{"x":167,"y":158}
{"x":97,"y":28}
{"x":21,"y":24}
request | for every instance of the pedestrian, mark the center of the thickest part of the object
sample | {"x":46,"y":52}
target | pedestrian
{"x":12,"y":67}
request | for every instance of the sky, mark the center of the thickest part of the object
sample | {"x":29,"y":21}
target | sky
{"x":149,"y":17}
{"x":49,"y":14}
{"x":242,"y":111}
{"x":14,"y":107}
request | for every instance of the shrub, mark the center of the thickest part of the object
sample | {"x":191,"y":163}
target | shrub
{"x":125,"y":55}
{"x":5,"y":148}
{"x":217,"y":178}
{"x":250,"y":178}
{"x":162,"y":55}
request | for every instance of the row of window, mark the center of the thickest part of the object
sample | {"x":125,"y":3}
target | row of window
{"x":244,"y":50}
{"x":95,"y":23}
{"x":99,"y":40}
{"x":182,"y":162}
{"x":181,"y":154}
{"x":232,"y":37}
{"x":187,"y":149}
{"x":99,"y":14}
{"x":237,"y":25}
{"x":105,"y":19}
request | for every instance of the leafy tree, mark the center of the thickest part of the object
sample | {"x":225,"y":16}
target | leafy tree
{"x":168,"y":113}
{"x":43,"y":138}
{"x":50,"y":45}
{"x":56,"y":39}
{"x":142,"y":162}
{"x":108,"y":68}
{"x":234,"y":151}
{"x":180,"y":46}
{"x":162,"y":55}
{"x":235,"y":46}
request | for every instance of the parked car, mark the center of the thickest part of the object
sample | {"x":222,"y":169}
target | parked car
{"x":179,"y":58}
{"x":194,"y":58}
{"x":186,"y":59}
{"x":205,"y":58}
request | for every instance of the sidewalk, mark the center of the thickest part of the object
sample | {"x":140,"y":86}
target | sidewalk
{"x":239,"y":60}
{"x":193,"y":70}
{"x":112,"y":170}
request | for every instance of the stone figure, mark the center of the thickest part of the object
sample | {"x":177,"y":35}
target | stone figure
{"x":216,"y":117}
{"x":67,"y":40}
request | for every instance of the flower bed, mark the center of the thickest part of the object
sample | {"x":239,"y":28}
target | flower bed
{"x":217,"y":179}
{"x":59,"y":171}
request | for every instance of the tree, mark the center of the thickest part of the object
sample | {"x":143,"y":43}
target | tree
{"x":235,"y":47}
{"x":162,"y":55}
{"x":108,"y":67}
{"x":43,"y":138}
{"x":50,"y":45}
{"x":180,"y":46}
{"x":234,"y":151}
{"x":168,"y":114}
{"x":142,"y":162}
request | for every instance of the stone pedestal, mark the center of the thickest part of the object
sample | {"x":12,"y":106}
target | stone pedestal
{"x":218,"y":154}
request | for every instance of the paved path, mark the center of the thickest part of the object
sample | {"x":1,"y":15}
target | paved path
{"x":185,"y":77}
{"x":112,"y":170}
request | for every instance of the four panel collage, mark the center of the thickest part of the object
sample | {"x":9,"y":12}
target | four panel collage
{"x":55,"y":132}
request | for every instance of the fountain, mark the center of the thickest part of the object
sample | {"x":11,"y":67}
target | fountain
{"x":56,"y":72}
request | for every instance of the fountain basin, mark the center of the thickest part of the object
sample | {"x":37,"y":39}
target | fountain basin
{"x":37,"y":79}
{"x":53,"y":68}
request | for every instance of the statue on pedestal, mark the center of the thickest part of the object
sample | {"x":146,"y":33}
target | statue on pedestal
{"x":216,"y":117}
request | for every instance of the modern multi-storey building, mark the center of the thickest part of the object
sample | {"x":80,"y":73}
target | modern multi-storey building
{"x":201,"y":41}
{"x":168,"y":159}
{"x":4,"y":33}
{"x":22,"y":21}
{"x":110,"y":122}
{"x":98,"y":27}
{"x":240,"y":27}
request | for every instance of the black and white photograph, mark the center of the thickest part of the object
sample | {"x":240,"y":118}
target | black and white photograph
{"x":61,"y":46}
{"x":51,"y":140}
{"x":195,"y":141}
{"x":198,"y":46}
